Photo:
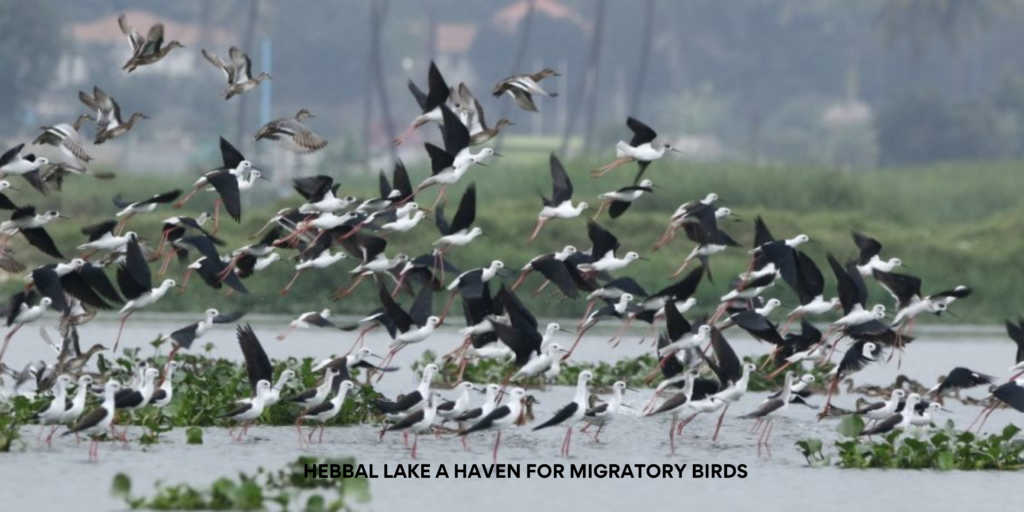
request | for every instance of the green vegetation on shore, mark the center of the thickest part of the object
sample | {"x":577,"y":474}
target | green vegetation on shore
{"x":951,"y":224}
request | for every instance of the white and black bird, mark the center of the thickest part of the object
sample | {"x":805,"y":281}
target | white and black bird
{"x":248,"y":412}
{"x":258,"y":367}
{"x":618,"y":201}
{"x":500,"y":418}
{"x":640,"y":149}
{"x":417,"y":422}
{"x":13,"y":163}
{"x":20,"y":311}
{"x":130,"y":209}
{"x":559,"y":205}
{"x":98,"y":420}
{"x":324,"y":412}
{"x":868,"y":260}
{"x":900,"y":420}
{"x":309,"y":320}
{"x":766,"y":413}
{"x":571,"y":413}
{"x":430,"y":103}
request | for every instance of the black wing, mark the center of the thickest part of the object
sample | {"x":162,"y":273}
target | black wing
{"x":487,"y":421}
{"x":10,"y":154}
{"x":849,"y":295}
{"x":422,"y":307}
{"x":40,"y":239}
{"x":231,"y":156}
{"x":257,"y":364}
{"x":762,"y":235}
{"x":1016,"y":333}
{"x":869,"y":247}
{"x":523,"y":342}
{"x":185,"y":336}
{"x":810,"y":281}
{"x":561,"y":188}
{"x":466,"y":214}
{"x":438,"y":89}
{"x":49,"y":285}
{"x":91,"y":286}
{"x":401,"y":319}
{"x":1011,"y":394}
{"x":684,"y":288}
{"x":758,"y":326}
{"x":602,"y":239}
{"x":563,"y":414}
{"x":963,"y":378}
{"x":557,"y":272}
{"x":728,"y":362}
{"x":226,"y":185}
{"x":675,"y":323}
{"x":642,"y":134}
{"x":95,"y":231}
{"x":456,"y":135}
{"x":419,"y":95}
{"x":903,"y":287}
{"x":439,"y":158}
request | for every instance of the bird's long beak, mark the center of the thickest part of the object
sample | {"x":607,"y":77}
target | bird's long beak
{"x":641,"y":258}
{"x":570,"y":331}
{"x":371,"y":354}
{"x":61,"y":216}
{"x":674,"y":150}
{"x":632,"y":389}
{"x":498,"y":154}
{"x":562,"y":350}
{"x":14,"y":189}
{"x":481,"y":164}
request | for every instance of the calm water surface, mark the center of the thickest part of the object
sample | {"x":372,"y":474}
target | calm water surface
{"x":62,"y":479}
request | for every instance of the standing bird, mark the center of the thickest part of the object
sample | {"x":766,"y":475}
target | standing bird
{"x":52,"y":413}
{"x":499,"y":418}
{"x":764,"y":414}
{"x":522,"y":87}
{"x":248,"y":412}
{"x":291,"y":134}
{"x":97,"y":421}
{"x":602,"y":414}
{"x":559,"y":206}
{"x":640,"y":149}
{"x":430,"y":103}
{"x":878,"y":411}
{"x":145,"y":50}
{"x":238,"y":72}
{"x":324,"y":412}
{"x":901,"y":420}
{"x":20,"y":311}
{"x":258,"y":366}
{"x":417,"y":422}
{"x":571,"y":413}
{"x":109,"y":124}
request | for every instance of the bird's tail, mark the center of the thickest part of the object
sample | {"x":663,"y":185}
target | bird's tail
{"x":622,"y":150}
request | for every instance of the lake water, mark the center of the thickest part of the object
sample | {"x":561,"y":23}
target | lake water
{"x":62,"y":479}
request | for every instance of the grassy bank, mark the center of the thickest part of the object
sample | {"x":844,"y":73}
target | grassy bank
{"x":950,"y":224}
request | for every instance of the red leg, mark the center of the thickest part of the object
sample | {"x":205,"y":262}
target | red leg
{"x":497,"y":441}
{"x":536,"y":230}
{"x":284,"y":291}
{"x":718,"y":426}
{"x":120,"y":330}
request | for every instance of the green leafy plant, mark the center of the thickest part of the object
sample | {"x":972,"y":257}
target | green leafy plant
{"x":286,"y":487}
{"x":942,"y":448}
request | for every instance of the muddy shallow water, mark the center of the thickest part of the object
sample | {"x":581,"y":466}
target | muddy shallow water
{"x":62,"y":479}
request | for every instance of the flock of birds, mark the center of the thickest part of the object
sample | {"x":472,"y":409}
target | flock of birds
{"x":699,"y":370}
